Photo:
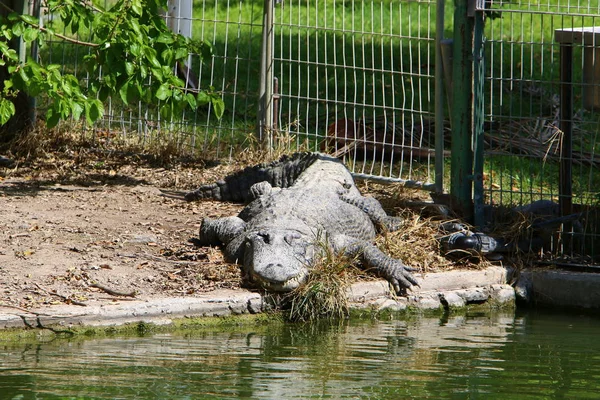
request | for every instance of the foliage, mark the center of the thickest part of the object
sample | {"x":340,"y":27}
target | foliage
{"x":131,"y":51}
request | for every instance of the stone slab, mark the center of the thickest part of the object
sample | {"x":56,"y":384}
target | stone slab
{"x":560,"y":288}
{"x":229,"y":302}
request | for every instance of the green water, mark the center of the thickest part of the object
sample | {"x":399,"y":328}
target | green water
{"x":531,"y":356}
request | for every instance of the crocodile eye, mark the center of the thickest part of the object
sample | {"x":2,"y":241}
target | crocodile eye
{"x":289,"y":238}
{"x":266,"y":237}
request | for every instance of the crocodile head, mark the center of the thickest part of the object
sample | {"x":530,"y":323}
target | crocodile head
{"x":278,"y":259}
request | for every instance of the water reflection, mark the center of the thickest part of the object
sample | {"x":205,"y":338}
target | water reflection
{"x":488,"y":356}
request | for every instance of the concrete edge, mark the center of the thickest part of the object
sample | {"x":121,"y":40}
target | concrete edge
{"x":452,"y":289}
{"x":559,"y":288}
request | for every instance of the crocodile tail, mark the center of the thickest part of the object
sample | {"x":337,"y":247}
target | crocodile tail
{"x":236,"y":187}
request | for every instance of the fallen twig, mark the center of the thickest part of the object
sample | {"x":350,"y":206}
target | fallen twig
{"x":17,"y":235}
{"x":161,"y":259}
{"x":112,"y":292}
{"x":64,"y":298}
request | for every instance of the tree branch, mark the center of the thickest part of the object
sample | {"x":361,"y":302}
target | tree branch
{"x":42,"y":29}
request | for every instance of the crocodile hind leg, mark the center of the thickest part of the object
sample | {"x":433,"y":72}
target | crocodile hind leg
{"x":373,"y":209}
{"x":393,"y":270}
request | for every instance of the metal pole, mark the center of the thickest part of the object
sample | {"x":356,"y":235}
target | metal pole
{"x":462,"y":97}
{"x":265,"y":102}
{"x":566,"y":149}
{"x":439,"y":98}
{"x":478,"y":117}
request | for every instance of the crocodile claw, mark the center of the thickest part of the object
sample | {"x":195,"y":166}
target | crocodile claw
{"x":401,"y":279}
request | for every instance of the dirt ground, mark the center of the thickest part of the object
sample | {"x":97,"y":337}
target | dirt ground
{"x":72,"y":231}
{"x":83,"y":230}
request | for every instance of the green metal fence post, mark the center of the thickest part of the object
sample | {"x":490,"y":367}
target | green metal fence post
{"x":439,"y":98}
{"x":462,"y":98}
{"x":478,"y":116}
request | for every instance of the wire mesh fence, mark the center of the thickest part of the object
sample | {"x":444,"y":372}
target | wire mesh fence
{"x":353,"y":77}
{"x":534,"y":115}
{"x":233,"y":29}
{"x":356,"y":78}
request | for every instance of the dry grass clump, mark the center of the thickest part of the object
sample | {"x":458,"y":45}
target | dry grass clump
{"x":325,"y":293}
{"x":416,"y":244}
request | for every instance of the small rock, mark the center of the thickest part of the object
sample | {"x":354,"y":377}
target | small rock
{"x":255,"y":305}
{"x":474,"y":295}
{"x":503,"y":294}
{"x":452,"y":300}
{"x":391,"y":305}
{"x":431,"y":302}
{"x":146,"y":239}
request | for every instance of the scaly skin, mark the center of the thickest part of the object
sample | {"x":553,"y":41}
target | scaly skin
{"x":295,"y":204}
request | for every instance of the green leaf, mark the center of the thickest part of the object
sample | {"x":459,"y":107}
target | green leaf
{"x":30,"y":34}
{"x":163,"y":92}
{"x":97,"y":109}
{"x":18,"y":28}
{"x":30,"y":19}
{"x":150,"y":54}
{"x":94,"y":110}
{"x":191,"y":100}
{"x":23,"y":75}
{"x":218,"y":106}
{"x":129,"y":68}
{"x":143,"y":71}
{"x":12,"y":55}
{"x":103,"y":93}
{"x":166,"y":111}
{"x":7,"y":110}
{"x":136,"y":7}
{"x":52,"y":118}
{"x":134,"y":49}
{"x":7,"y":33}
{"x":167,"y":56}
{"x":75,"y":24}
{"x":123,"y":92}
{"x":202,"y":98}
{"x":77,"y":110}
{"x":181,"y":53}
{"x":157,"y":73}
{"x":135,"y":25}
{"x":166,"y":38}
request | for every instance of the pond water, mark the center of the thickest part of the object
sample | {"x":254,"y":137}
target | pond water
{"x":529,"y":356}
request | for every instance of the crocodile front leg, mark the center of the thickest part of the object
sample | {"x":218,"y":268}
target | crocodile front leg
{"x":221,"y":230}
{"x":393,"y":270}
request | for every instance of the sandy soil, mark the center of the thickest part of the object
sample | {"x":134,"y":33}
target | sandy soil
{"x":76,"y":229}
{"x":72,"y":232}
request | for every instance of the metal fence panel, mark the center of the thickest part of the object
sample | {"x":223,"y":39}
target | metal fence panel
{"x":528,"y":106}
{"x":354,"y":77}
{"x":357,"y":78}
{"x":233,"y":29}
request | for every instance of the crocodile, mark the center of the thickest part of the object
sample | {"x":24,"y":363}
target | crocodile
{"x":295,"y":206}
